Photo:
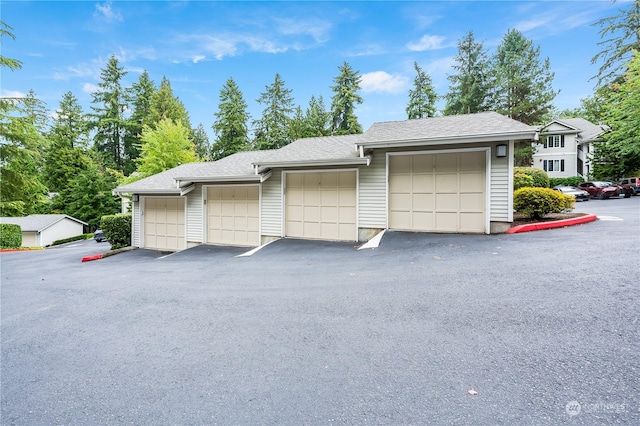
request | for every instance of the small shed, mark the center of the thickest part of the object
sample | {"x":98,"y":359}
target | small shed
{"x":41,"y":230}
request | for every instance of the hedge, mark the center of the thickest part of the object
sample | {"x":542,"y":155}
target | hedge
{"x":70,"y":239}
{"x":522,"y":180}
{"x":117,"y":229}
{"x":566,"y":181}
{"x":10,"y":236}
{"x":539,"y":202}
{"x":540,"y":177}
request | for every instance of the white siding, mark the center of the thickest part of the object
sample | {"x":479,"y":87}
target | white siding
{"x":194,"y":218}
{"x":271,"y":208}
{"x":372,"y":196}
{"x":62,"y":229}
{"x":135,"y":224}
{"x":499,"y":187}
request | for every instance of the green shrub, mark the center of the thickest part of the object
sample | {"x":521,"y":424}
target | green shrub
{"x":10,"y":236}
{"x":540,"y":177}
{"x":70,"y":239}
{"x":521,"y":180}
{"x":117,"y":229}
{"x":539,"y":202}
{"x":566,"y":181}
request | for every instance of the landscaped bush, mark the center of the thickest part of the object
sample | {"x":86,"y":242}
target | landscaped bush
{"x":566,"y":181}
{"x":70,"y":239}
{"x":10,"y":236}
{"x":117,"y":229}
{"x":521,"y":180}
{"x":539,"y":202}
{"x":540,"y":177}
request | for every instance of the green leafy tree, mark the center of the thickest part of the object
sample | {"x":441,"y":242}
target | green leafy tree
{"x":620,"y":36}
{"x":271,"y":131}
{"x":89,"y":195}
{"x":109,"y":121}
{"x":69,"y":139}
{"x":230,"y":125}
{"x":469,"y":86}
{"x":164,"y":147}
{"x":164,"y":105}
{"x":521,"y":81}
{"x":140,"y":95}
{"x":343,"y":103}
{"x":422,"y":98}
{"x":619,"y":153}
{"x":201,"y":143}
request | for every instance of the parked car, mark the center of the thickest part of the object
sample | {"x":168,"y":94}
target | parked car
{"x":600,"y":190}
{"x":98,"y":235}
{"x":626,"y":191}
{"x":632,"y":183}
{"x":578,"y":194}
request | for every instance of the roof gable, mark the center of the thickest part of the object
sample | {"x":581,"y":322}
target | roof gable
{"x":586,"y":130}
{"x":38,"y":222}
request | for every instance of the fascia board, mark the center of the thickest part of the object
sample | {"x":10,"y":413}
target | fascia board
{"x":307,"y":163}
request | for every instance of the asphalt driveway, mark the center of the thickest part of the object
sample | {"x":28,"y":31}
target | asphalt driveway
{"x":543,"y":326}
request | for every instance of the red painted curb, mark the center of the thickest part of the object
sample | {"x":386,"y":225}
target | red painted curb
{"x":94,"y":257}
{"x":550,"y":225}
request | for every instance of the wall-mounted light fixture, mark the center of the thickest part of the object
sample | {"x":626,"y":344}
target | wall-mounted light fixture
{"x":501,"y":150}
{"x":135,"y":198}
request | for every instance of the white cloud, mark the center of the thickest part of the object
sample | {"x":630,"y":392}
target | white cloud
{"x":383,"y":82}
{"x":12,"y":94}
{"x":89,"y":88}
{"x":105,"y":12}
{"x":427,"y":42}
{"x":198,"y":58}
{"x":313,"y":27}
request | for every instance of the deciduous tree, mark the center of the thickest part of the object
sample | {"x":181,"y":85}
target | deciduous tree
{"x":164,"y":147}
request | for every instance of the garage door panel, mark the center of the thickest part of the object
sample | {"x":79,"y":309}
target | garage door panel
{"x":163,"y":223}
{"x":430,"y":192}
{"x":324,"y":207}
{"x":233,"y":215}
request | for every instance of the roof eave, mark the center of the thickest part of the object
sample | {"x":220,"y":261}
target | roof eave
{"x":187,"y":180}
{"x":491,"y":137}
{"x":313,"y":163}
{"x":163,"y":191}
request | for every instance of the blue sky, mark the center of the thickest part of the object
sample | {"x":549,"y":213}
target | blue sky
{"x":198,"y":45}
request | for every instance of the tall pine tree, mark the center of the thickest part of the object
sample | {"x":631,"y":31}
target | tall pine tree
{"x":271,"y":131}
{"x":140,"y":95}
{"x":164,"y":105}
{"x":109,"y":121}
{"x":343,"y":103}
{"x":469,"y":87}
{"x":422,"y":98}
{"x":230,"y":125}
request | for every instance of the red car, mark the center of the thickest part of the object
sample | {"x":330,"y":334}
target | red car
{"x":600,"y":190}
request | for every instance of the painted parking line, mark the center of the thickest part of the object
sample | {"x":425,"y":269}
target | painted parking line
{"x":610,"y":218}
{"x":374,"y":242}
{"x":255,"y":250}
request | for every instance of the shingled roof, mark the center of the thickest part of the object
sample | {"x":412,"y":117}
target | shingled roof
{"x":310,"y":151}
{"x":449,"y":129}
{"x":38,"y":222}
{"x":587,"y":131}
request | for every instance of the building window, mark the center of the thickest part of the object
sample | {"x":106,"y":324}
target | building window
{"x":554,"y":141}
{"x":553,"y":165}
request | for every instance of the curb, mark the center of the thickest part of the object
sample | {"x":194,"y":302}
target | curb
{"x":107,"y":254}
{"x":550,"y":225}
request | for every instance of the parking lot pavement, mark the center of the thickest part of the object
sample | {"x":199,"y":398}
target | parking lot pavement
{"x":543,"y":326}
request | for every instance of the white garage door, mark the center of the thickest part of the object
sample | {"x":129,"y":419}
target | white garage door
{"x":321,"y":205}
{"x":438,"y":192}
{"x":164,"y":223}
{"x":233,"y":215}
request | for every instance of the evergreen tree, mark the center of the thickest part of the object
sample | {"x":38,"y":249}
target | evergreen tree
{"x":12,"y":64}
{"x":343,"y":104}
{"x":620,"y":35}
{"x":201,"y":143}
{"x":230,"y":125}
{"x":109,"y":119}
{"x":422,"y":98}
{"x":164,"y":105}
{"x":89,"y":195}
{"x":469,"y":87}
{"x":619,"y":153}
{"x":297,"y":125}
{"x":272,"y":130}
{"x":140,"y":95}
{"x":317,"y":119}
{"x":68,"y":138}
{"x":164,"y":147}
{"x":521,"y":81}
